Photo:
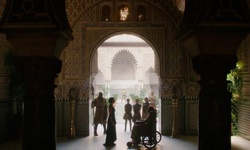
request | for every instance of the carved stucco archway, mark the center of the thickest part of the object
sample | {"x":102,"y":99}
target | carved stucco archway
{"x":153,"y":36}
{"x":89,"y":32}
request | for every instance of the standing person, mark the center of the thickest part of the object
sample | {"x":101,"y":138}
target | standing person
{"x":145,"y":106}
{"x":111,"y":130}
{"x":128,"y":114}
{"x":137,"y":110}
{"x":101,"y":112}
{"x":152,"y":99}
{"x":123,"y":95}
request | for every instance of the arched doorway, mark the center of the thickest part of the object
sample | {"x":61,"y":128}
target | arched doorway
{"x":124,"y":66}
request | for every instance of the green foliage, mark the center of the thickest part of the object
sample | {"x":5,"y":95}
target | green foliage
{"x":105,"y":91}
{"x":140,"y":95}
{"x":115,"y":96}
{"x":134,"y":96}
{"x":235,"y":87}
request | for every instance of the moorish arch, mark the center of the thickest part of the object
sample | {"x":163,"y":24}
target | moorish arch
{"x":159,"y":31}
{"x":156,"y":44}
{"x":80,"y":60}
{"x":123,"y":59}
{"x":174,"y":61}
{"x":124,"y":52}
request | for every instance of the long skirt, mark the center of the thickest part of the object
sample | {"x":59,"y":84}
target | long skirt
{"x":111,"y":133}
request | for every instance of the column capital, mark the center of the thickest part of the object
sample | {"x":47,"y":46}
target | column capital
{"x":213,"y":70}
{"x":39,"y":74}
{"x":214,"y":65}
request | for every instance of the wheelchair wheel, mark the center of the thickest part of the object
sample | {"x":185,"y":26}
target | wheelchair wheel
{"x":158,"y":136}
{"x":129,"y":144}
{"x":149,"y":142}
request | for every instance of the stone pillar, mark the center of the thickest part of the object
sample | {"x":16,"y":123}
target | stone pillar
{"x":38,"y":74}
{"x":38,"y":35}
{"x":215,"y":101}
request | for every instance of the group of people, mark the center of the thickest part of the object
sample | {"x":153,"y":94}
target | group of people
{"x":101,"y":114}
{"x":105,"y":113}
{"x":136,"y":108}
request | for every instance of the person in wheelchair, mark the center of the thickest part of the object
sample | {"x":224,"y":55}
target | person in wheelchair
{"x":144,"y":127}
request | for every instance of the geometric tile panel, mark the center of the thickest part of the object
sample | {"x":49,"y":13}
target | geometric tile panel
{"x":82,"y":117}
{"x":244,"y":119}
{"x":192,"y":115}
{"x":63,"y":117}
{"x":166,"y":116}
{"x":6,"y":108}
{"x":187,"y":116}
{"x":5,"y":119}
{"x":181,"y":116}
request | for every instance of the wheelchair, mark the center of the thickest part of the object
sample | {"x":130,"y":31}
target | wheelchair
{"x":145,"y":132}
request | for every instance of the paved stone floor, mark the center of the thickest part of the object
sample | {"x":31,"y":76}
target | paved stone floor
{"x":96,"y":143}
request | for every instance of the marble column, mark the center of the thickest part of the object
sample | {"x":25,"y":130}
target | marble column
{"x":215,"y":101}
{"x":38,"y":74}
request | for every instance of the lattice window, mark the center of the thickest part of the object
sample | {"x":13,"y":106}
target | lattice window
{"x":106,"y":13}
{"x":141,"y":13}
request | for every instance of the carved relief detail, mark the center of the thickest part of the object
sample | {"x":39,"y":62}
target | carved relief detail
{"x":243,"y":53}
{"x":77,"y":10}
{"x":89,"y":32}
{"x":31,"y":11}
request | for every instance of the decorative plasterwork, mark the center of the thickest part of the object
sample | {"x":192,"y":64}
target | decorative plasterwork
{"x":77,"y":9}
{"x":27,"y":16}
{"x":159,"y":33}
{"x":121,"y":52}
{"x":243,"y":53}
{"x":95,"y":36}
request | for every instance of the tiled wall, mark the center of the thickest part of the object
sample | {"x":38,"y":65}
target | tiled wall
{"x":187,"y":115}
{"x":5,"y":119}
{"x":244,"y":119}
{"x":63,"y":117}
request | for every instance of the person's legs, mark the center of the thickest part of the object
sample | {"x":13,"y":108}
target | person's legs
{"x":95,"y":129}
{"x":125,"y":125}
{"x":104,"y":128}
{"x":130,"y":124}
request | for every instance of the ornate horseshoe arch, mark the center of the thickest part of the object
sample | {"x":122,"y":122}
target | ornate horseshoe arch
{"x":95,"y":36}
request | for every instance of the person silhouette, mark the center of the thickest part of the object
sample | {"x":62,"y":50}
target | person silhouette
{"x":100,"y":116}
{"x":111,"y":130}
{"x":128,"y":114}
{"x":137,"y":110}
{"x":149,"y":123}
{"x":145,"y":106}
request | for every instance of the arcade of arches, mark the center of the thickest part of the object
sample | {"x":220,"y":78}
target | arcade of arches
{"x":172,"y":51}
